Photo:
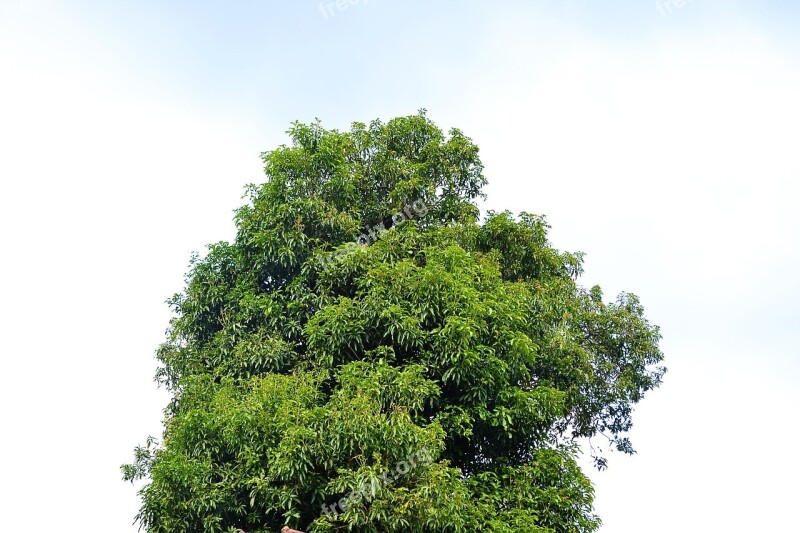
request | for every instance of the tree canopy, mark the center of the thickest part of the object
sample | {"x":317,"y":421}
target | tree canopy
{"x":371,"y":355}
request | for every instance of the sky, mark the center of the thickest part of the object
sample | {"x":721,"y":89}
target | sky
{"x":660,"y":138}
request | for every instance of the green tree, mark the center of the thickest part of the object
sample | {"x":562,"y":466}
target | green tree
{"x":368,"y":356}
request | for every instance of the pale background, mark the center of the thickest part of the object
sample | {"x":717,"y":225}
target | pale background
{"x":662,"y":141}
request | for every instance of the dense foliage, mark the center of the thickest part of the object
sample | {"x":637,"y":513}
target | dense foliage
{"x":369,"y":356}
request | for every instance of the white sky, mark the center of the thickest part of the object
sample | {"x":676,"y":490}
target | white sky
{"x":666,"y":148}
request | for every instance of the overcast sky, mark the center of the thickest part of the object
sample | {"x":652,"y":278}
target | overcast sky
{"x":662,"y":139}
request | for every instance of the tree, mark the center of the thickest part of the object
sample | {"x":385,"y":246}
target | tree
{"x":368,"y":356}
